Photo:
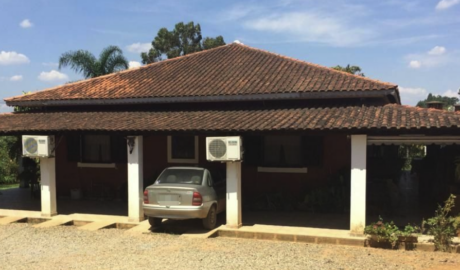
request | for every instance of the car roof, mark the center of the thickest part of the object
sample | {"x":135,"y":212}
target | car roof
{"x":186,"y":168}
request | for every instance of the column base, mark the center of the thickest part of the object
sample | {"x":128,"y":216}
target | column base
{"x":136,"y":219}
{"x":48,"y":215}
{"x":234,"y":226}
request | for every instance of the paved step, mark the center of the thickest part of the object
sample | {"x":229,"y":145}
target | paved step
{"x":8,"y":220}
{"x":143,"y":227}
{"x":56,"y":221}
{"x":97,"y":225}
{"x":290,"y":237}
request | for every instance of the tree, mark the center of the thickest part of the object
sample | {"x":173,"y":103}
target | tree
{"x":183,"y":39}
{"x":448,"y":102}
{"x":110,"y":60}
{"x":356,"y":70}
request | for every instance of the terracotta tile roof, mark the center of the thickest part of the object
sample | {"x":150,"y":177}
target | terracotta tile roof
{"x":390,"y":116}
{"x":234,"y":69}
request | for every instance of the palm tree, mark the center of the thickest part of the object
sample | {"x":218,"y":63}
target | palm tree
{"x":110,"y":60}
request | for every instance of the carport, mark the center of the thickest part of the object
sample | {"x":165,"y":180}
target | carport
{"x":54,"y":123}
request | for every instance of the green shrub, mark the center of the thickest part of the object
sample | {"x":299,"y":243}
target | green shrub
{"x":442,"y":226}
{"x":8,"y":160}
{"x":387,"y":232}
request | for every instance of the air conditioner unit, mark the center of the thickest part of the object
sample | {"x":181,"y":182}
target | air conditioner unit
{"x":224,"y":148}
{"x":37,"y":146}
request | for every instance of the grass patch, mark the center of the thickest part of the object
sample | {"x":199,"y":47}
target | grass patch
{"x":8,"y":186}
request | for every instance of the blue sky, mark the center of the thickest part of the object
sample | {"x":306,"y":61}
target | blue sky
{"x":413,"y":43}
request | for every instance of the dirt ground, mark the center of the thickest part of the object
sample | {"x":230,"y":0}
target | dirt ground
{"x":67,"y":247}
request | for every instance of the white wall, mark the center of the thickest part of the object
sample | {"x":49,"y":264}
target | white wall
{"x":234,"y":219}
{"x":136,"y":180}
{"x":358,"y":184}
{"x":48,"y":186}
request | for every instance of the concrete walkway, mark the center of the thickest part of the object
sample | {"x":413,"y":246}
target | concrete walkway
{"x":293,"y":234}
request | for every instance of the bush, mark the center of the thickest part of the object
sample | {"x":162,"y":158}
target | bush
{"x":386,"y":232}
{"x":442,"y":226}
{"x":8,"y":160}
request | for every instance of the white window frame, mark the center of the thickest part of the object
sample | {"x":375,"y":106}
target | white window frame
{"x":181,"y":160}
{"x":282,"y":170}
{"x":96,"y":165}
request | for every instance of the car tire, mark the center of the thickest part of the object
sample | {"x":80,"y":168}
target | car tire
{"x":210,"y":221}
{"x":155,"y":222}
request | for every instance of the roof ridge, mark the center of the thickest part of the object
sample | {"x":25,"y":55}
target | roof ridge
{"x":124,"y":71}
{"x":315,"y":65}
{"x":416,"y":108}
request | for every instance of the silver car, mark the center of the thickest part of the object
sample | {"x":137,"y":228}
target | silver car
{"x":185,"y":193}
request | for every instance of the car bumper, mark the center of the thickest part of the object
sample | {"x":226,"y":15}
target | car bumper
{"x":176,"y":212}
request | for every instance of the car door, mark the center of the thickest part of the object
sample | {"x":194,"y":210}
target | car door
{"x":210,"y":192}
{"x":219,"y":186}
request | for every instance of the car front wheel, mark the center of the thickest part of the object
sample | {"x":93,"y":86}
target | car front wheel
{"x":210,"y":221}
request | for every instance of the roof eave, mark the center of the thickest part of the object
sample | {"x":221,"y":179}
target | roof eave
{"x":221,"y":98}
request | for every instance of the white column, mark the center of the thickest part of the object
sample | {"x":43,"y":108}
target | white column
{"x":358,"y":184}
{"x":135,"y":179}
{"x":234,"y":219}
{"x":48,"y":186}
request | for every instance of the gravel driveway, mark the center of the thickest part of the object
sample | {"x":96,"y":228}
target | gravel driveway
{"x":24,"y":247}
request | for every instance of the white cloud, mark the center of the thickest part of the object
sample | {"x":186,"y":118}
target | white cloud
{"x":415,"y":64}
{"x":450,"y":93}
{"x":52,"y":76}
{"x":327,"y":28}
{"x":139,"y":47}
{"x":11,"y":58}
{"x":50,"y":64}
{"x":437,"y":50}
{"x":26,"y":23}
{"x":411,"y":95}
{"x":412,"y":91}
{"x":445,"y":4}
{"x":436,"y":57}
{"x":16,"y":78}
{"x":134,"y":64}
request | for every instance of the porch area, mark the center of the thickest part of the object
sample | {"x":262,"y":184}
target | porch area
{"x":22,"y":199}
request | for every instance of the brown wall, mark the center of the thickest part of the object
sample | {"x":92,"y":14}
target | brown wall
{"x":69,"y":175}
{"x":336,"y":156}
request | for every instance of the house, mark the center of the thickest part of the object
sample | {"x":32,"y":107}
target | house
{"x":301,"y":124}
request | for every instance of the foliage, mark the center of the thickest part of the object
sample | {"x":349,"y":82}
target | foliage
{"x":110,"y":60}
{"x":387,"y":232}
{"x":457,"y":168}
{"x":442,"y":226}
{"x":449,"y":102}
{"x":183,"y":39}
{"x":410,"y":152}
{"x":409,"y":230}
{"x":356,"y":70}
{"x":8,"y":160}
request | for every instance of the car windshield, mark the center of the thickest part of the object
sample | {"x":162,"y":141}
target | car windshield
{"x":181,"y":176}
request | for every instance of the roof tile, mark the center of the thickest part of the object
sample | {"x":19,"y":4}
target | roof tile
{"x":234,"y":69}
{"x":390,"y":116}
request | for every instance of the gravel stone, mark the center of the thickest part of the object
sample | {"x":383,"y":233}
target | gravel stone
{"x":66,"y":247}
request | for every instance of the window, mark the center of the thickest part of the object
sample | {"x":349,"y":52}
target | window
{"x":283,"y":151}
{"x":183,"y":149}
{"x":96,"y":150}
{"x":181,"y":176}
{"x":209,"y":179}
